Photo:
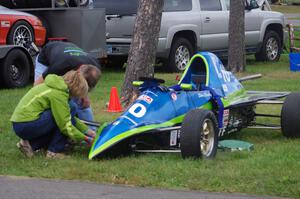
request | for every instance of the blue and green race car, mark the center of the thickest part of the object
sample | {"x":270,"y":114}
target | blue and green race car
{"x":206,"y":104}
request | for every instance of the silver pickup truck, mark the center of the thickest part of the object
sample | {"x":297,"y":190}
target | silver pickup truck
{"x":193,"y":25}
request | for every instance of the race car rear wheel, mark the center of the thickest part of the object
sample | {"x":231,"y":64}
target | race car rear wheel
{"x":290,"y":116}
{"x":199,"y":134}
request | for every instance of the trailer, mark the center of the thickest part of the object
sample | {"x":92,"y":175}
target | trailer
{"x":80,"y":25}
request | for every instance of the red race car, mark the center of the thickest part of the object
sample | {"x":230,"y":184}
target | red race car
{"x":20,"y":28}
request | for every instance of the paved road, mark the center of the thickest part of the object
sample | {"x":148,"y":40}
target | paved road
{"x":28,"y":188}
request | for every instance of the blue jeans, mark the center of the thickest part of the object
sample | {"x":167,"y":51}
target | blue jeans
{"x":82,"y":113}
{"x":43,"y":132}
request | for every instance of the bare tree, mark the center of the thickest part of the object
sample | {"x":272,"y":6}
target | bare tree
{"x":141,"y":57}
{"x":236,"y":49}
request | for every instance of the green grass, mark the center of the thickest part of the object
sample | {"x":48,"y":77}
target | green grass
{"x":285,"y":8}
{"x":271,"y":169}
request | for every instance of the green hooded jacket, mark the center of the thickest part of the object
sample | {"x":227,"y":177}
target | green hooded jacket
{"x":52,"y":94}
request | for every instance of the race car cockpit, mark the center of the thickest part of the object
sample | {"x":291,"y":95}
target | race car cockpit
{"x":195,"y":75}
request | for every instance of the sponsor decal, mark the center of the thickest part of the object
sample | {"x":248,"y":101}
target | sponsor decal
{"x":5,"y":24}
{"x":225,"y":88}
{"x":146,"y":98}
{"x":226,"y":112}
{"x":225,"y":117}
{"x":173,"y":138}
{"x":138,"y":110}
{"x":174,"y":96}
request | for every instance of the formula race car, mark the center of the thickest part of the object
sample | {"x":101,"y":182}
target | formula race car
{"x":207,"y":103}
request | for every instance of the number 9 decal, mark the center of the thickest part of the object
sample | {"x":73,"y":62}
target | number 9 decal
{"x":138,"y":110}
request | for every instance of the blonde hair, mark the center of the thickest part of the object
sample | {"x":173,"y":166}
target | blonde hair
{"x":91,"y":74}
{"x":77,"y":84}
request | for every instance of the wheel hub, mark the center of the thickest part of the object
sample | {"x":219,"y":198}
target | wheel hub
{"x":272,"y":48}
{"x":207,"y":138}
{"x":14,"y":71}
{"x":182,"y":57}
{"x":22,"y":36}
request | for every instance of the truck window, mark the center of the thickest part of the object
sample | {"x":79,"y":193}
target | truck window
{"x":210,"y":5}
{"x":177,"y":5}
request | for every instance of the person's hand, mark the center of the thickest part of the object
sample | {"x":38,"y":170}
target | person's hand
{"x":38,"y":81}
{"x":85,"y":102}
{"x":91,"y":133}
{"x":89,"y":140}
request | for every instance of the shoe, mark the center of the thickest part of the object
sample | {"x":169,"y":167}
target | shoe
{"x":25,"y":148}
{"x":52,"y":155}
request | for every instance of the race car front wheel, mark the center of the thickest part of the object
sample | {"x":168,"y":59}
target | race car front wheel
{"x":199,"y":134}
{"x":290,"y":116}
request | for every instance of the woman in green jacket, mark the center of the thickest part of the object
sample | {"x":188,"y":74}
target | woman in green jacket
{"x":45,"y":116}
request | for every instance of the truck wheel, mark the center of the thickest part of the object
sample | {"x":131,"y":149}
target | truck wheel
{"x":15,"y":69}
{"x":20,"y":34}
{"x":271,"y":47}
{"x":199,"y":134}
{"x":290,"y":116}
{"x":180,"y":54}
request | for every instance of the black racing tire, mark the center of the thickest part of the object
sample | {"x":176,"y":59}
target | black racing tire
{"x":290,"y":116}
{"x":20,"y":34}
{"x":271,"y":47}
{"x":15,"y":69}
{"x":181,"y":52}
{"x":192,"y":134}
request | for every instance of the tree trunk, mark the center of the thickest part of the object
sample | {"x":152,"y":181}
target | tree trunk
{"x":236,"y":48}
{"x":141,"y":57}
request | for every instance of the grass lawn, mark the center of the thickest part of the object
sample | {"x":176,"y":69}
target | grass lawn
{"x":272,"y":168}
{"x":285,"y":8}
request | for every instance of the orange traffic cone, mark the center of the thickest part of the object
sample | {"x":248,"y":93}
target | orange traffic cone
{"x":114,"y":102}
